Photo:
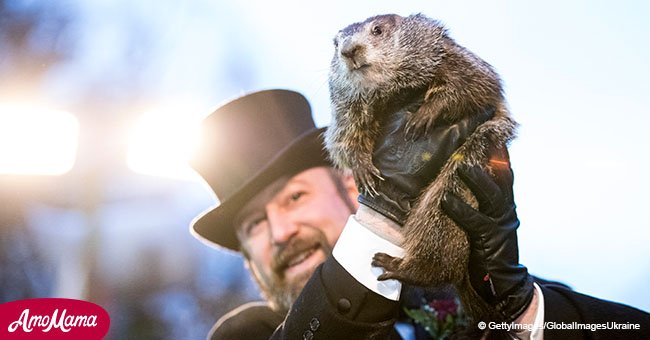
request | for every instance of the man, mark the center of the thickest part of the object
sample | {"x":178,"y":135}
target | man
{"x":287,"y":211}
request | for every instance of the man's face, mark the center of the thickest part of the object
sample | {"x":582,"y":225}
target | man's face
{"x":290,"y":227}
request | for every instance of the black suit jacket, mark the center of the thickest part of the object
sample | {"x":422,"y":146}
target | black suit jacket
{"x":333,"y":305}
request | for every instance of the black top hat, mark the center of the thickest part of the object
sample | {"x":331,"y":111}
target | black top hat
{"x":245,"y":145}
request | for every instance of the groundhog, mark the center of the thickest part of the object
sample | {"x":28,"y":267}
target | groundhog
{"x":383,"y":65}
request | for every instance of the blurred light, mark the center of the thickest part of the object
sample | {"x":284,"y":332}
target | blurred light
{"x":36,"y":140}
{"x":161,"y":143}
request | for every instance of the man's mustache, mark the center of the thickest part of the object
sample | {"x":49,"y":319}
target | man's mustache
{"x":285,"y":253}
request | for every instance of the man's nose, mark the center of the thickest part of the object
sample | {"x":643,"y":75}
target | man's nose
{"x":282,"y":226}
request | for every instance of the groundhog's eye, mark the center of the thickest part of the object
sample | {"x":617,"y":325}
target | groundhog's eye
{"x":376,"y":30}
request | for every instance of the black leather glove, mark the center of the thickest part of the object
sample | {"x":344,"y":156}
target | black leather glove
{"x":408,"y":166}
{"x":495,"y":272}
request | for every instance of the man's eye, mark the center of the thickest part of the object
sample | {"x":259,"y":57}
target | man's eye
{"x":252,"y":226}
{"x":296,"y":195}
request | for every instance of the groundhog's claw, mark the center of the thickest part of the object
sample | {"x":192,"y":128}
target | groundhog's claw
{"x":417,"y":126}
{"x":390,"y":264}
{"x":365,"y":182}
{"x":366,"y":176}
{"x":387,"y":276}
{"x":383,"y":260}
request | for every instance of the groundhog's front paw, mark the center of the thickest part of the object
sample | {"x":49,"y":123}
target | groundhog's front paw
{"x":390,"y":265}
{"x":365,"y":177}
{"x":417,"y":126}
{"x":421,"y":121}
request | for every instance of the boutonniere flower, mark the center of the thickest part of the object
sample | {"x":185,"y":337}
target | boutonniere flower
{"x":440,"y":318}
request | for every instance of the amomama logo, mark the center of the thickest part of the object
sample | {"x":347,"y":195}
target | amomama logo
{"x":52,"y":318}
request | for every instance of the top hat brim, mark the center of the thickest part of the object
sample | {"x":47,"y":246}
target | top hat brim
{"x":215,"y":226}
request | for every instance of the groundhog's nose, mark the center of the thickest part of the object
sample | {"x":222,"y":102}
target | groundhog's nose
{"x":350,"y":50}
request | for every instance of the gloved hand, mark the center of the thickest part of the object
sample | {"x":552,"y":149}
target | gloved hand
{"x":408,"y":166}
{"x":495,"y":272}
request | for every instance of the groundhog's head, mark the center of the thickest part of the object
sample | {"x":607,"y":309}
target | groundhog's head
{"x":385,"y":53}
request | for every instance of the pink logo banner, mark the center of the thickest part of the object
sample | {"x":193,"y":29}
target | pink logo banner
{"x":53,"y":318}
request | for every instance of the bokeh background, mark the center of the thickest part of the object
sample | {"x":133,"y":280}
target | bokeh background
{"x":111,"y":225}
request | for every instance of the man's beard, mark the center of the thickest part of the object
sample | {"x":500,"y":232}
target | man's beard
{"x":279,"y":291}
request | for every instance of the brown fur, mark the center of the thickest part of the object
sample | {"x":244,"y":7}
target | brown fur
{"x":382,"y":65}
